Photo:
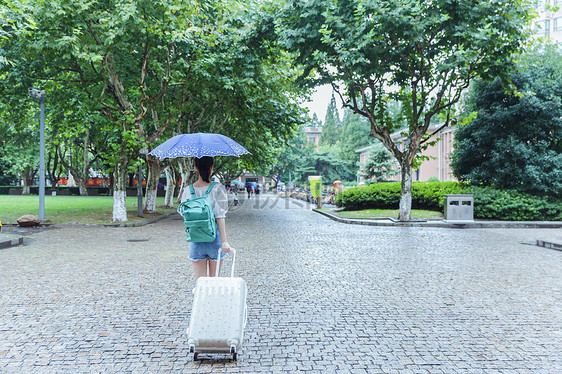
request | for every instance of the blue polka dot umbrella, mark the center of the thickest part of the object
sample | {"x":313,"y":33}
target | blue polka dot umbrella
{"x":198,"y":145}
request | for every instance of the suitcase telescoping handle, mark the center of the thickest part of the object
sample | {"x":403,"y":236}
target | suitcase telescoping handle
{"x":233,"y":251}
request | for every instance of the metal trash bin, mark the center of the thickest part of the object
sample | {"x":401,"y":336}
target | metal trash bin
{"x":459,"y":208}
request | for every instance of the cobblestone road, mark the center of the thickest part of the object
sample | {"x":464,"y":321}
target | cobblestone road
{"x":323,"y":297}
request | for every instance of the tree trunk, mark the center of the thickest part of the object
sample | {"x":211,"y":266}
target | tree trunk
{"x":154,"y":171}
{"x":406,"y":190}
{"x":186,"y":171}
{"x":85,"y":166}
{"x":82,"y":186}
{"x":170,"y":187}
{"x":81,"y":183}
{"x":27,"y":178}
{"x":120,"y":178}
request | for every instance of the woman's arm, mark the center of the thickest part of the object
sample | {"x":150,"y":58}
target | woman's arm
{"x":222,"y":232}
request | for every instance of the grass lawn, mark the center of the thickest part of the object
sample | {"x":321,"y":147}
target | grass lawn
{"x":65,"y":209}
{"x":379,"y":213}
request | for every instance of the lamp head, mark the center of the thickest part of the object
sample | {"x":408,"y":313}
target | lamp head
{"x":36,"y":94}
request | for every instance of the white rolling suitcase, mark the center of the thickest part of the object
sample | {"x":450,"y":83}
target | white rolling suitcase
{"x":219,"y":314}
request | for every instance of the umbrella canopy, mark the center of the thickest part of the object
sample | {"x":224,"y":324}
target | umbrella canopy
{"x":198,"y":145}
{"x":237,"y":183}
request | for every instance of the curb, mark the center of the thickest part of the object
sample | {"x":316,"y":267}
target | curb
{"x":550,"y":243}
{"x":124,"y":224}
{"x":139,"y":223}
{"x":443,"y":223}
{"x":10,"y":240}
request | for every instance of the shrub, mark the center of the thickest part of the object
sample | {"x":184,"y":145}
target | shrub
{"x":489,"y":203}
{"x":430,"y":195}
{"x":379,"y":195}
{"x":4,"y":190}
{"x":34,"y":190}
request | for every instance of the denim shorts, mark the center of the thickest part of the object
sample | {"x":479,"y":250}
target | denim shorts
{"x":205,"y":251}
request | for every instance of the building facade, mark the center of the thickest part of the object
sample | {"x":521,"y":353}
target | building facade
{"x":548,"y":23}
{"x":439,"y":164}
{"x":313,"y":136}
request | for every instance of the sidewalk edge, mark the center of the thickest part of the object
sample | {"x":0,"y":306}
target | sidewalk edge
{"x":464,"y":224}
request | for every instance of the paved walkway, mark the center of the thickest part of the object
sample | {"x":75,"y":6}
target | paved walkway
{"x":323,"y":297}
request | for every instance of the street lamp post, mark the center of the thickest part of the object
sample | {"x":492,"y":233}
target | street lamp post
{"x":40,"y":96}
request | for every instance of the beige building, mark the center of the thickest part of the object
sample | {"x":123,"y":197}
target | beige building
{"x":438,"y":166}
{"x":548,"y":23}
{"x":313,"y":136}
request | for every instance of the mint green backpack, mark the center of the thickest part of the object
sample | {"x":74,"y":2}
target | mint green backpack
{"x":198,"y":217}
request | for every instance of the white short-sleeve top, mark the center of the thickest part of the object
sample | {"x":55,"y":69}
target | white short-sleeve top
{"x":218,"y":197}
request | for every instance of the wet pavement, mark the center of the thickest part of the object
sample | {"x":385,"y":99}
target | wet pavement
{"x":323,"y":297}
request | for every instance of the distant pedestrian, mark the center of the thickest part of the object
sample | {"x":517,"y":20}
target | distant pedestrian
{"x":235,"y":194}
{"x":249,"y":190}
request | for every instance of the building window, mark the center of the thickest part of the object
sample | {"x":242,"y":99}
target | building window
{"x":542,"y":27}
{"x":312,"y":139}
{"x":557,"y":24}
{"x":541,"y":4}
{"x":417,"y":175}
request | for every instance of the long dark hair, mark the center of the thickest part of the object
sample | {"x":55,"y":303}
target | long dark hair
{"x":204,"y":165}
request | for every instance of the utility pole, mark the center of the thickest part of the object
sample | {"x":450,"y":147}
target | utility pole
{"x":40,"y":96}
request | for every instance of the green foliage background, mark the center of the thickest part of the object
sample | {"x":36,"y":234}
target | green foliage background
{"x":515,"y":142}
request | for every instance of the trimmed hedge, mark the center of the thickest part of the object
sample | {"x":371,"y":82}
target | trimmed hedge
{"x":511,"y":205}
{"x":489,"y":203}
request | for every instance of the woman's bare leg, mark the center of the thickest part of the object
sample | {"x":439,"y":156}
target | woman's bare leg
{"x":200,"y":268}
{"x":213,"y":268}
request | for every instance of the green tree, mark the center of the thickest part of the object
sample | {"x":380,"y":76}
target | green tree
{"x":126,"y":59}
{"x":332,"y":125}
{"x":354,"y":135}
{"x":515,"y":142}
{"x":15,"y":21}
{"x":330,"y":167}
{"x":301,"y":160}
{"x":245,"y":89}
{"x":380,"y":164}
{"x":293,"y":161}
{"x":426,"y":51}
{"x":19,"y":147}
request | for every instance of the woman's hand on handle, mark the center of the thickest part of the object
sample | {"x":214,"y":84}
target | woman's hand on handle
{"x":225,"y":247}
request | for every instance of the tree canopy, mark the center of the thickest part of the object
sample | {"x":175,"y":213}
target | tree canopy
{"x":515,"y":142}
{"x":121,"y":77}
{"x":422,"y":54}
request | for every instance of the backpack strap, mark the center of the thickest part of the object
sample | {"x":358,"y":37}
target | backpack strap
{"x":192,"y":190}
{"x":210,"y":188}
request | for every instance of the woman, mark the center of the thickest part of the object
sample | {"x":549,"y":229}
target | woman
{"x":204,"y":255}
